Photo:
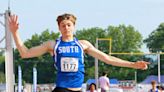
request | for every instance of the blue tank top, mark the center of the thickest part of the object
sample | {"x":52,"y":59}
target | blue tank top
{"x":153,"y":91}
{"x":69,"y":60}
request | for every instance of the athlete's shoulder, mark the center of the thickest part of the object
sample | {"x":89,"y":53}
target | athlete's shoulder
{"x":85,"y":44}
{"x":50,"y":43}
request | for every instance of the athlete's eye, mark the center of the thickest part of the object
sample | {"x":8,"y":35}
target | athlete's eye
{"x":63,"y":25}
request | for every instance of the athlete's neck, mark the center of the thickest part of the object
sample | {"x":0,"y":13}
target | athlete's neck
{"x":67,"y":39}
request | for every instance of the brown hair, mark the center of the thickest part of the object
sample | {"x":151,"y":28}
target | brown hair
{"x":153,"y":82}
{"x":66,"y":16}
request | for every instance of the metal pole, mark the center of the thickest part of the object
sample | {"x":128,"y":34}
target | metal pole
{"x":4,"y":36}
{"x":20,"y":79}
{"x":9,"y":57}
{"x":96,"y":67}
{"x":159,"y":72}
{"x":135,"y":75}
{"x":110,"y":48}
{"x":34,"y":80}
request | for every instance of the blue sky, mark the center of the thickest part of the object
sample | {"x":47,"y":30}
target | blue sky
{"x":38,"y":15}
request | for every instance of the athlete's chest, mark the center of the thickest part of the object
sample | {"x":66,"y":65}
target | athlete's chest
{"x":69,"y":48}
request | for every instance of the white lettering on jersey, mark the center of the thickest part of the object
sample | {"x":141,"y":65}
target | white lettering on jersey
{"x":68,"y":49}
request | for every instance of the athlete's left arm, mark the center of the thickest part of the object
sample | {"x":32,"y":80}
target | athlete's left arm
{"x":91,"y":50}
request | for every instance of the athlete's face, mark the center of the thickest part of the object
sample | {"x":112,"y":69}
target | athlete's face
{"x":66,"y":28}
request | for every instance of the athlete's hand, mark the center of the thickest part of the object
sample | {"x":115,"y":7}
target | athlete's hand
{"x":143,"y":65}
{"x":13,"y":23}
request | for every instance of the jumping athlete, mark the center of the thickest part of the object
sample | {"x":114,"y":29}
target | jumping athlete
{"x":68,"y":53}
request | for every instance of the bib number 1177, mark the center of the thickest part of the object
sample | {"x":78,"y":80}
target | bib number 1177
{"x":69,"y":64}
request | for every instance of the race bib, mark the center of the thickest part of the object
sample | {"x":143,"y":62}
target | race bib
{"x":69,"y":64}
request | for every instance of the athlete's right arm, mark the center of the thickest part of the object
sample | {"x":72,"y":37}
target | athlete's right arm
{"x":23,"y":50}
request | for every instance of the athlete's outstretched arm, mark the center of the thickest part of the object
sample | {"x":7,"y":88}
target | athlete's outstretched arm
{"x":91,"y":50}
{"x":23,"y":50}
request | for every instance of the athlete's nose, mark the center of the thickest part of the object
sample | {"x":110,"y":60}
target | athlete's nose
{"x":66,"y":27}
